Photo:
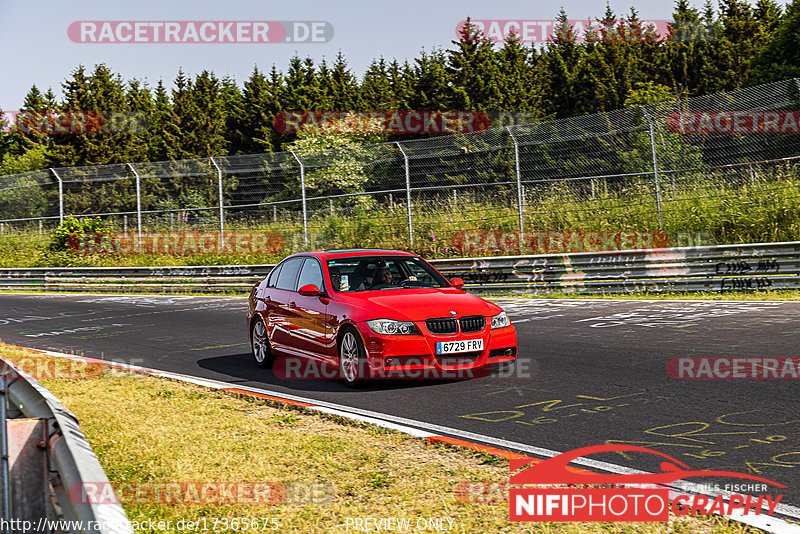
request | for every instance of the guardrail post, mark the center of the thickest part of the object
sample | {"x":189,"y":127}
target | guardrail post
{"x":520,"y":198}
{"x":60,"y":196}
{"x":655,"y":166}
{"x":138,"y":205}
{"x":408,"y":196}
{"x":221,"y":207}
{"x":303,"y":196}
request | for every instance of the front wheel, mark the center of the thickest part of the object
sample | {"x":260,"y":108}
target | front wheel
{"x":259,"y":344}
{"x":352,"y":358}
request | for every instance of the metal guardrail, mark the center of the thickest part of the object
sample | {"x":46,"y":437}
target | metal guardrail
{"x":747,"y":267}
{"x":705,"y":268}
{"x":69,"y":463}
{"x":189,"y":279}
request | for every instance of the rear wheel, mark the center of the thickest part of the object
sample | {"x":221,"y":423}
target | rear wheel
{"x":352,"y":358}
{"x":259,"y":344}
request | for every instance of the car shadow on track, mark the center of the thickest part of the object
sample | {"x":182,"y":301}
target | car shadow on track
{"x":241,"y":367}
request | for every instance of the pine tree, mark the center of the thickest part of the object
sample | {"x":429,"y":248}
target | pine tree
{"x":177,"y":134}
{"x":769,"y":16}
{"x":679,"y":59}
{"x":780,"y":57}
{"x":232,"y":102}
{"x":102,"y":94}
{"x":303,"y":90}
{"x":160,"y":123}
{"x":27,"y":134}
{"x":259,"y":106}
{"x":376,"y":88}
{"x":556,"y":76}
{"x":207,"y":120}
{"x":342,"y":86}
{"x":141,"y":108}
{"x":740,"y":38}
{"x":401,"y":79}
{"x":516,"y":65}
{"x":431,"y":87}
{"x":473,"y":69}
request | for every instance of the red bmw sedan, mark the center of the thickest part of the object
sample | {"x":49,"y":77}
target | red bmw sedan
{"x":374,"y":313}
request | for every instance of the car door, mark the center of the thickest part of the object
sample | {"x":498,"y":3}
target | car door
{"x":313,"y":330}
{"x":281,"y":318}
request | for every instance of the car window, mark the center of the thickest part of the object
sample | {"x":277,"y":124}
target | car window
{"x":367,"y":273}
{"x":311,"y":274}
{"x":288,"y":275}
{"x":423,"y":277}
{"x":273,"y":275}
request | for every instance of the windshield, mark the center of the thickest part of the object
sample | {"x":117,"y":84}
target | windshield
{"x":375,"y":273}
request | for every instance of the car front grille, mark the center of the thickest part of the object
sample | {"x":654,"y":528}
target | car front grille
{"x":473,"y":323}
{"x":445,"y":325}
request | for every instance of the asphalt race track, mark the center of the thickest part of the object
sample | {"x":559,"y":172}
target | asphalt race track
{"x":589,"y":372}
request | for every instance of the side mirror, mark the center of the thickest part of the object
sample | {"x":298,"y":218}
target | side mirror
{"x":458,"y":283}
{"x":309,"y":290}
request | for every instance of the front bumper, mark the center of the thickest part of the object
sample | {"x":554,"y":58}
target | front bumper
{"x":414,"y":356}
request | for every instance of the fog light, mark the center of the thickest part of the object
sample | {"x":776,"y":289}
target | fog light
{"x":389,"y":361}
{"x":509,"y":352}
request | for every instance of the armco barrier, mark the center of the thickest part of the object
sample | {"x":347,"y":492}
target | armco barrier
{"x":69,"y":462}
{"x":189,"y":279}
{"x":707,"y":268}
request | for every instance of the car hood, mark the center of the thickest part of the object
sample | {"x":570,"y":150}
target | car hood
{"x":419,"y":304}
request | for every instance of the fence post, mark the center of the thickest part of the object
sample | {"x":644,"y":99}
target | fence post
{"x":408,"y":196}
{"x":303,"y":196}
{"x":60,"y":196}
{"x":221,"y":208}
{"x":138,"y":205}
{"x":655,"y":166}
{"x":519,"y":183}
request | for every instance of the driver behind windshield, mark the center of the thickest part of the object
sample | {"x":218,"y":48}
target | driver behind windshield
{"x":382,"y":276}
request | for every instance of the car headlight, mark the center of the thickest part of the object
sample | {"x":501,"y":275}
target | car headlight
{"x":500,"y":321}
{"x":389,"y":327}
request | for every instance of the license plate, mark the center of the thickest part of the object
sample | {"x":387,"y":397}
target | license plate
{"x":463,"y":345}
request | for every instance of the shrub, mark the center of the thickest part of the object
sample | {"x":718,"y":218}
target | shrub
{"x":71,"y":225}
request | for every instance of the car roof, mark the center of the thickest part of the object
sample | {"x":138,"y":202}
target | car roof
{"x":349,"y":253}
